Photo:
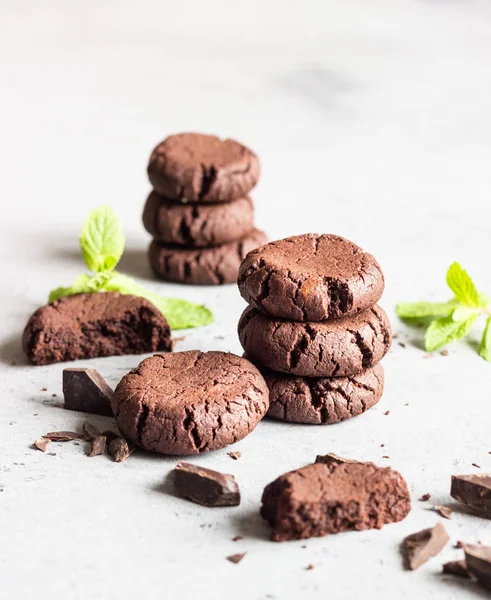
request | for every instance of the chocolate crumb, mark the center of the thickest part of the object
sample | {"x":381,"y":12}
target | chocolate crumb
{"x":44,"y":389}
{"x":309,"y":568}
{"x":97,"y":445}
{"x":42,"y":444}
{"x":119,"y":449}
{"x":236,"y":558}
{"x":425,"y":497}
{"x":237,"y":538}
{"x":331,"y":458}
{"x":477,"y":466}
{"x":443,"y":511}
{"x":459,"y":544}
{"x":429,"y":355}
{"x":395,"y":336}
{"x":63,"y":436}
{"x":402,"y":345}
{"x":456,"y":567}
{"x":444,"y":352}
{"x":181,"y":338}
{"x":382,"y":445}
{"x":387,"y":412}
{"x":385,"y":456}
{"x":303,"y":546}
{"x":235,"y":454}
{"x":407,"y":404}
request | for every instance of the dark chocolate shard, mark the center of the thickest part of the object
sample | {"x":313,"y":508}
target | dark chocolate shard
{"x":331,"y":458}
{"x":235,"y":454}
{"x":63,"y":436}
{"x":90,"y":431}
{"x":478,"y":561}
{"x":425,"y":497}
{"x":119,"y":449}
{"x":97,"y":445}
{"x":42,"y":444}
{"x":422,"y":545}
{"x":206,"y":487}
{"x":443,"y":511}
{"x":474,"y":491}
{"x":86,"y":391}
{"x":236,"y":558}
{"x":456,"y":567}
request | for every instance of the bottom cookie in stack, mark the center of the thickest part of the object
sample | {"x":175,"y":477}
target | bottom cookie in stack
{"x":202,"y":266}
{"x":322,"y":400}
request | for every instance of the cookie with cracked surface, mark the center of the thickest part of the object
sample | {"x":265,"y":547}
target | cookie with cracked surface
{"x":310,"y":277}
{"x":337,"y":348}
{"x":190,"y":402}
{"x":92,"y":325}
{"x":195,"y":167}
{"x":330,"y":498}
{"x":197,"y":225}
{"x":202,"y":266}
{"x":322,"y":400}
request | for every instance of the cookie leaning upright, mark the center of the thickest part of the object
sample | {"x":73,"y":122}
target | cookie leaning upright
{"x":313,"y":326}
{"x":200,"y":214}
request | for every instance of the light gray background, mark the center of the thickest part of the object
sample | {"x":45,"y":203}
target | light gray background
{"x":372,"y":120}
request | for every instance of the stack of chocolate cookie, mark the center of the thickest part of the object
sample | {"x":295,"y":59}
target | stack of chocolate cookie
{"x":199,"y":213}
{"x":313,"y":326}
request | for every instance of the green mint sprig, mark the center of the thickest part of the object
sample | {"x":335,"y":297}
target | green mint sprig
{"x":453,"y":319}
{"x":102,"y":245}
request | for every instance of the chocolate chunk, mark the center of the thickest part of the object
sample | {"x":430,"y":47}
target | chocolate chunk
{"x":421,"y":546}
{"x":478,"y":560}
{"x":235,"y":454}
{"x":329,"y":459}
{"x":63,"y":436}
{"x":330,"y":498}
{"x":90,"y":431}
{"x":237,"y":538}
{"x":236,"y":558}
{"x":206,"y":487}
{"x":90,"y":325}
{"x":42,"y":444}
{"x":443,"y":511}
{"x":86,"y":391}
{"x":119,"y":449}
{"x":456,"y":567}
{"x":474,"y":491}
{"x":97,"y":445}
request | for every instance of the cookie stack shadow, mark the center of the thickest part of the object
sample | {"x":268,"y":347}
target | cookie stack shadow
{"x":313,"y":327}
{"x":199,"y":212}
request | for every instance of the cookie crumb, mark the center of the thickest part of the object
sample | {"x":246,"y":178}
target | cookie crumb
{"x":444,"y":352}
{"x":429,"y":355}
{"x":387,"y":412}
{"x":237,"y":538}
{"x":309,"y":568}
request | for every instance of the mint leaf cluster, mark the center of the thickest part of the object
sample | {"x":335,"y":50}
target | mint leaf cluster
{"x":102,"y":245}
{"x":452,"y":320}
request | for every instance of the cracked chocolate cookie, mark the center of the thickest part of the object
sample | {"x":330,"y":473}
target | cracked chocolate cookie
{"x":91,"y":325}
{"x":330,"y":498}
{"x":322,"y":400}
{"x":310,"y":278}
{"x":202,"y":266}
{"x":341,"y":347}
{"x":195,"y":167}
{"x":198,"y":225}
{"x":190,"y":402}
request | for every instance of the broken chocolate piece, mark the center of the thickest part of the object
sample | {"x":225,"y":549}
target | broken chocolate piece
{"x":425,"y":497}
{"x":332,"y":458}
{"x":474,"y":491}
{"x":42,"y":444}
{"x":63,"y":436}
{"x":119,"y":449}
{"x":443,"y":511}
{"x":236,"y":558}
{"x":478,"y":561}
{"x":329,"y":498}
{"x":206,"y":487}
{"x":97,"y":445}
{"x":237,"y":538}
{"x":422,"y":545}
{"x":90,"y":431}
{"x":456,"y":567}
{"x":235,"y":454}
{"x":86,"y":391}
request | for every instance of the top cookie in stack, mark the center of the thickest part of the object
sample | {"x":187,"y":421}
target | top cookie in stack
{"x":200,"y":214}
{"x":313,"y":324}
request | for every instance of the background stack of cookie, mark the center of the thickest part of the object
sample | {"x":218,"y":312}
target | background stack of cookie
{"x":313,"y":326}
{"x":199,"y":212}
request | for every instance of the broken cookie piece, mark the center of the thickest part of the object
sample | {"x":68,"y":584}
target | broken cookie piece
{"x":206,"y":487}
{"x":422,"y":545}
{"x":474,"y":491}
{"x":330,"y":498}
{"x":91,"y":325}
{"x":86,"y":391}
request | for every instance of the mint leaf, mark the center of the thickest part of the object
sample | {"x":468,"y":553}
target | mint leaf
{"x":462,"y":285}
{"x":485,"y":346}
{"x":445,"y":331}
{"x":180,"y":314}
{"x":79,"y":286}
{"x":419,"y":310}
{"x":102,"y":240}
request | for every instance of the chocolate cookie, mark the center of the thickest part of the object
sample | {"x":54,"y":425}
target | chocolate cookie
{"x":202,"y":168}
{"x":310,"y":278}
{"x":198,"y":225}
{"x":190,"y":402}
{"x":330,"y":498}
{"x":341,"y":347}
{"x":90,"y":325}
{"x":202,"y":266}
{"x":322,"y":400}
